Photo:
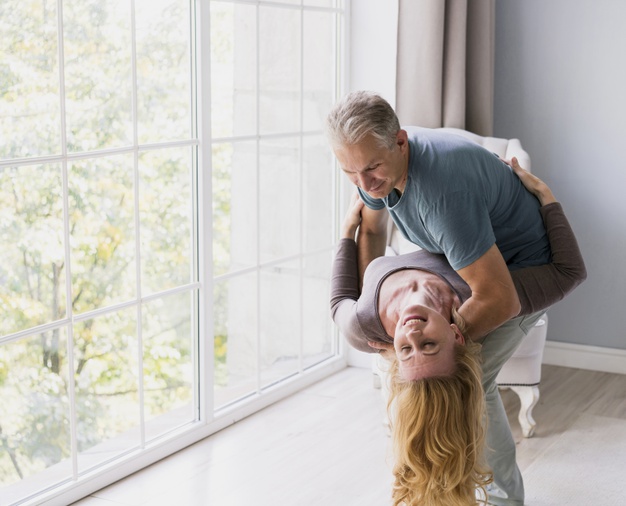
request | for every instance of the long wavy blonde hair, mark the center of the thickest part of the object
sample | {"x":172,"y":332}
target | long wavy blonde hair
{"x":438,"y":433}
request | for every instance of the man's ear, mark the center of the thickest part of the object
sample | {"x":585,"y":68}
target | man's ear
{"x":402,"y":140}
{"x":458,"y":336}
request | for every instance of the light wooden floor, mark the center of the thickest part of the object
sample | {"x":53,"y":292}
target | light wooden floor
{"x":326,"y":446}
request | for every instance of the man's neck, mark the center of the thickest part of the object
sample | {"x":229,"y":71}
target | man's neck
{"x":402,"y":183}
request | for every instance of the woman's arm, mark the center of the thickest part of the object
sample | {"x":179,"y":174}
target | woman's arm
{"x":344,"y":285}
{"x":541,"y":286}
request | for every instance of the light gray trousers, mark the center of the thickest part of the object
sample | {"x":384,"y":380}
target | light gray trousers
{"x":497,"y":348}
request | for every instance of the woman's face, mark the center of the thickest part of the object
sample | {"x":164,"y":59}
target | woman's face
{"x":424,"y":342}
{"x":415,"y":308}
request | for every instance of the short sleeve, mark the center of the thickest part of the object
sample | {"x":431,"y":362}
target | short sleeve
{"x":372,"y":203}
{"x":459,"y":223}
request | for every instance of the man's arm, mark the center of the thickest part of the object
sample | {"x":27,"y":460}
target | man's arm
{"x":372,"y":238}
{"x":494,"y":299}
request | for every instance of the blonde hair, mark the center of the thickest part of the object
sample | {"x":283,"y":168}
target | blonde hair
{"x":438,"y":434}
{"x":359,"y":114}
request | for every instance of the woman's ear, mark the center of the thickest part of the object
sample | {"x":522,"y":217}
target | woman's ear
{"x":458,"y":335}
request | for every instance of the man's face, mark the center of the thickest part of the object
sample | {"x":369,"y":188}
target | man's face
{"x":376,"y":170}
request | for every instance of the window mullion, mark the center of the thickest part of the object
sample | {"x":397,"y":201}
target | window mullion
{"x":301,"y":199}
{"x":138,"y":292}
{"x":341,"y":41}
{"x":258,"y":199}
{"x":195,"y":231}
{"x":66,"y":241}
{"x":205,"y":201}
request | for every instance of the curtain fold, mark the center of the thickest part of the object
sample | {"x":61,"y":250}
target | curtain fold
{"x":445,"y":64}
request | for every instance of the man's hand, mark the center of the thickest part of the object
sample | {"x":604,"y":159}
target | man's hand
{"x":494,"y":299}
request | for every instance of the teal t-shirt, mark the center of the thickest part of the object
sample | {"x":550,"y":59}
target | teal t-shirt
{"x":460,"y":199}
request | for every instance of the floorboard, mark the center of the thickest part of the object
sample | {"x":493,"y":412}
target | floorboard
{"x":326,"y":445}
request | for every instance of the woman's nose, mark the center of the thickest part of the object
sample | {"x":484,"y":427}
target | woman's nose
{"x":413,"y":335}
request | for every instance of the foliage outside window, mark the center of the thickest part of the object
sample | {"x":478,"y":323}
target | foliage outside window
{"x":273,"y":79}
{"x":99,"y":278}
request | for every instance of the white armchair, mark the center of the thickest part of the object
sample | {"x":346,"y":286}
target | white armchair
{"x":522,"y":372}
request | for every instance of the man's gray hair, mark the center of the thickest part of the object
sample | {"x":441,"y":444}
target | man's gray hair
{"x":361,"y":113}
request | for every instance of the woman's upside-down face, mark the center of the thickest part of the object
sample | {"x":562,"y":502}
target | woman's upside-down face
{"x":424,"y":342}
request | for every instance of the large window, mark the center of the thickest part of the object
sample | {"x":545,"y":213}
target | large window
{"x":167,"y":215}
{"x":272,"y":81}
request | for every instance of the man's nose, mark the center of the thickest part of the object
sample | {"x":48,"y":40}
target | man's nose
{"x":364,"y":181}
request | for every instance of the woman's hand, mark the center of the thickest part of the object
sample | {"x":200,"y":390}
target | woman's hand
{"x":352,"y":219}
{"x":532,"y":183}
{"x":385,"y":349}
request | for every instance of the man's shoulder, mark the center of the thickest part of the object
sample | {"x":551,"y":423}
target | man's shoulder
{"x":371,"y":202}
{"x":437,"y":135}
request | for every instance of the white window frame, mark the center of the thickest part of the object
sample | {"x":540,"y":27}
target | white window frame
{"x":209,"y":421}
{"x":266,"y":396}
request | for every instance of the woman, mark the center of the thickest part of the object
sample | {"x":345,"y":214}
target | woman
{"x":407,"y":310}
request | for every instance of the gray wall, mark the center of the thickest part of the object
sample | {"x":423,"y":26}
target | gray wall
{"x":561,"y":89}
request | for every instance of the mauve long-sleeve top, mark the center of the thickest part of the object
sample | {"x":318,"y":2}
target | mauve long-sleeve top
{"x":358,"y":317}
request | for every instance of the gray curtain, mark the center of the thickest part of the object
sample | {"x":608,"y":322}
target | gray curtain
{"x":445,"y":66}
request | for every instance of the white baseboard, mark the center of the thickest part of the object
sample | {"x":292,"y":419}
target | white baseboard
{"x":358,"y":358}
{"x":593,"y":358}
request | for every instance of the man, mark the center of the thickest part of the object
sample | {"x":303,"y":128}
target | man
{"x":451,"y":196}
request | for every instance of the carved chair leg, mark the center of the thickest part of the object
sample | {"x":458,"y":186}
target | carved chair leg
{"x":528,"y":395}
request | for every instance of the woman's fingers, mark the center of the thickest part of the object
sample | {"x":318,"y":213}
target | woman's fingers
{"x":533,"y":184}
{"x":352,"y":219}
{"x":382,"y":347}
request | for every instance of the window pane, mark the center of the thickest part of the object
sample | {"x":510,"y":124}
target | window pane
{"x":32,"y":270}
{"x":107,"y":405}
{"x":98,"y":75}
{"x":163,"y":70}
{"x":34,"y":420}
{"x":235,"y":190}
{"x":318,"y":70}
{"x":288,"y":2}
{"x":318,"y":200}
{"x":279,"y":187}
{"x":165,"y":197}
{"x":233,"y":69}
{"x":127,"y":76}
{"x":324,"y":3}
{"x":168,"y":363}
{"x":30,"y":123}
{"x":102,"y":228}
{"x":280,"y":322}
{"x":236,"y":323}
{"x":279,"y":48}
{"x":318,"y":335}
